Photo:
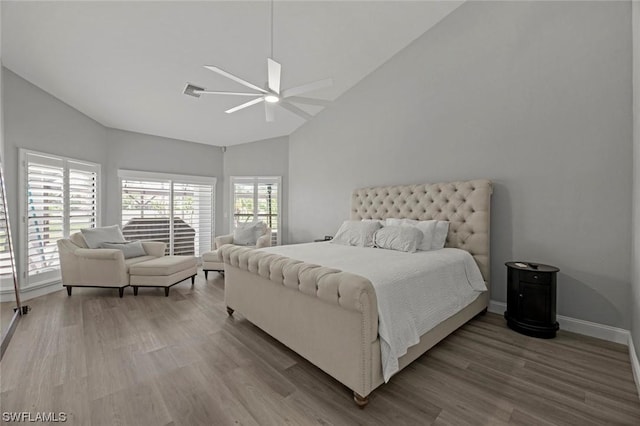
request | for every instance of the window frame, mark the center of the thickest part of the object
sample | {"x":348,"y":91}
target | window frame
{"x":23,"y":233}
{"x":255,"y":180}
{"x":172,"y":178}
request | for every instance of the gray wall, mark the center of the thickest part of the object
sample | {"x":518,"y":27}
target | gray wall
{"x":136,"y":151}
{"x":635,"y":252}
{"x":269,"y":157}
{"x":533,"y":95}
{"x":38,"y":121}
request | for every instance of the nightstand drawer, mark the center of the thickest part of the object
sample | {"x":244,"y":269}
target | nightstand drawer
{"x":535,"y":277}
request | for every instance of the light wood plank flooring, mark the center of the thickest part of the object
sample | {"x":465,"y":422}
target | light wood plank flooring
{"x":151,"y":360}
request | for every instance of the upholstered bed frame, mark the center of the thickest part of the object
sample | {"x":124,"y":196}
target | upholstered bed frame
{"x":330,"y":317}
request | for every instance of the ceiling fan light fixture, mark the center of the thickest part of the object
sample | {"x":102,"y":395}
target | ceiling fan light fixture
{"x":272,"y":99}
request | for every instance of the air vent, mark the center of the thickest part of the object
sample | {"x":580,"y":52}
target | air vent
{"x":190,"y":90}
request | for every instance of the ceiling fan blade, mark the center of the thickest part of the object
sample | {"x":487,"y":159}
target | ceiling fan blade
{"x":308,"y":101}
{"x":209,"y":92}
{"x":244,"y":105}
{"x":234,"y":78}
{"x":294,"y":109}
{"x":270,"y":111}
{"x":320,"y":84}
{"x":273,"y":70}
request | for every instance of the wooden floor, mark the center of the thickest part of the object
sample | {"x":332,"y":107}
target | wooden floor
{"x":151,"y":360}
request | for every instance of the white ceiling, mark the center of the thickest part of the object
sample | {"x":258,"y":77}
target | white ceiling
{"x":125,"y":64}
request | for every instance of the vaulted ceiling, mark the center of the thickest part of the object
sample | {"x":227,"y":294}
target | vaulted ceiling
{"x":125,"y":64}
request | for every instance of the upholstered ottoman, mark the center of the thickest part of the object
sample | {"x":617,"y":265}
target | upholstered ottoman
{"x":164,"y":272}
{"x":212,"y":261}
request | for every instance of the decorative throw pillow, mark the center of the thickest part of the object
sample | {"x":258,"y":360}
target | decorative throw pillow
{"x":356,"y":233}
{"x":247,"y":234}
{"x":94,"y":237}
{"x":427,"y":227}
{"x":401,"y":238}
{"x":129,"y":249}
{"x":440,"y":235}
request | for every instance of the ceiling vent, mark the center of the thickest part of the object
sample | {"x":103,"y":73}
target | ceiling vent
{"x":190,"y":90}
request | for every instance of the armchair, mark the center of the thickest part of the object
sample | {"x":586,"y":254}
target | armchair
{"x":212,"y":260}
{"x":85,"y":267}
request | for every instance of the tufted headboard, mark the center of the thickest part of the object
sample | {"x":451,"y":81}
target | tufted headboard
{"x":466,"y":205}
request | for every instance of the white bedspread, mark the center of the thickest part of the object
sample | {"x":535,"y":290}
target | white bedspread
{"x":415,"y":291}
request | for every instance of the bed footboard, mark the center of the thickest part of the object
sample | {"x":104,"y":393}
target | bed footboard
{"x":327,"y":316}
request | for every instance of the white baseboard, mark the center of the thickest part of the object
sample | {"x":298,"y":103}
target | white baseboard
{"x":8,"y":295}
{"x":635,"y":364}
{"x":574,"y":325}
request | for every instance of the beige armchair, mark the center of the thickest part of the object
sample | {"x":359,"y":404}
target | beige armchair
{"x":212,"y":260}
{"x":85,"y":267}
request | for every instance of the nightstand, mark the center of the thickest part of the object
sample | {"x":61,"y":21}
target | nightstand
{"x":531,"y":299}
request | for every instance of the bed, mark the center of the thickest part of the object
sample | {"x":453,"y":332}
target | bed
{"x":330,"y":316}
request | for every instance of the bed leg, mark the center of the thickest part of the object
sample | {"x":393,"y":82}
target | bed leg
{"x":229,"y":311}
{"x":361,"y":401}
{"x":483,"y":312}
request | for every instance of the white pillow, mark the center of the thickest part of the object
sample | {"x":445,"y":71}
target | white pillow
{"x":129,"y":249}
{"x":440,"y":235}
{"x":427,"y":227}
{"x":247,"y":234}
{"x":399,"y":222}
{"x":356,"y":233}
{"x":94,"y":237}
{"x":401,"y":238}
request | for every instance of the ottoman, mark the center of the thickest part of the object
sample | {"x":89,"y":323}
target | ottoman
{"x":164,"y":272}
{"x":212,"y":261}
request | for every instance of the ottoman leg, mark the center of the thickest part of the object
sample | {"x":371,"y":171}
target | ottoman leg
{"x":230,"y":311}
{"x":135,"y":291}
{"x":121,"y":291}
{"x":206,"y":274}
{"x":69,"y":290}
{"x":166,"y":292}
{"x":193,"y":279}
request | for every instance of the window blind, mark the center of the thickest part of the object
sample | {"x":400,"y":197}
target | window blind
{"x":61,"y":198}
{"x":45,"y":213}
{"x":174,"y":211}
{"x":6,"y":269}
{"x":257,"y":199}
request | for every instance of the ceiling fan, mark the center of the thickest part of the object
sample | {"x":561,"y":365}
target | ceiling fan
{"x":270,"y":95}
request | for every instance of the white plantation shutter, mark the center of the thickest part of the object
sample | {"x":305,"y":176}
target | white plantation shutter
{"x":257,"y":199}
{"x":83,"y":197}
{"x":6,"y":270}
{"x":60,"y":197}
{"x":177,"y":210}
{"x":146,"y":207}
{"x":45,"y":215}
{"x":193,"y":206}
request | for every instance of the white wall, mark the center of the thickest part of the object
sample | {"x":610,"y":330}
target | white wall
{"x":533,"y":95}
{"x":38,"y":121}
{"x":268,"y":157}
{"x":635,"y":252}
{"x":137,"y":151}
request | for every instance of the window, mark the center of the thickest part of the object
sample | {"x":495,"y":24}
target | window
{"x":6,"y":270}
{"x":60,"y":197}
{"x":151,"y":200}
{"x":256,"y":199}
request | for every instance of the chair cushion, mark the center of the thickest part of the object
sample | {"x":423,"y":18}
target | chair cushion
{"x":129,"y":249}
{"x":161,"y":266}
{"x":212,"y":256}
{"x":94,"y":237}
{"x":77,"y":239}
{"x":134,"y":260}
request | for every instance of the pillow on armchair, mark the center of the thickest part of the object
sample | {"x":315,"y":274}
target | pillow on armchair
{"x":247,"y":234}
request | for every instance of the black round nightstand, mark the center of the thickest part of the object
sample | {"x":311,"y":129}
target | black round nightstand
{"x":531,"y":299}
